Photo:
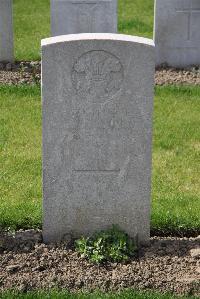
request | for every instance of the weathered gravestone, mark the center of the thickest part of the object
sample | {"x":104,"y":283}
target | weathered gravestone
{"x":177,"y":33}
{"x":82,"y":16}
{"x":6,"y":31}
{"x":97,"y":123}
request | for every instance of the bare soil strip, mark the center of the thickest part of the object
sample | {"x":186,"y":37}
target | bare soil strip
{"x":167,"y":265}
{"x":29,"y":73}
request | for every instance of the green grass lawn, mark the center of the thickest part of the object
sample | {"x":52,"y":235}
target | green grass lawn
{"x":20,"y":156}
{"x":65,"y":295}
{"x":176,"y":159}
{"x":32,"y":23}
{"x":176,"y":156}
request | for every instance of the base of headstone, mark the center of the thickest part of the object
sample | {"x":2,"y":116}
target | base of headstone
{"x":6,"y":31}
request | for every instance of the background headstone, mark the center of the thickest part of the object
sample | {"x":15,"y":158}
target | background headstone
{"x":83,"y":16}
{"x":6,"y":31}
{"x":97,"y":123}
{"x":177,"y":32}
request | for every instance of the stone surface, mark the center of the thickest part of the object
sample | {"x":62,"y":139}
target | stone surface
{"x":176,"y":32}
{"x":6,"y":31}
{"x":82,"y":16}
{"x":97,"y":124}
{"x":195,"y":252}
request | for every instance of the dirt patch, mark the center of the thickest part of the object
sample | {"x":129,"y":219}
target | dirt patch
{"x":29,"y":73}
{"x":20,"y":73}
{"x":167,"y":265}
{"x":168,"y":76}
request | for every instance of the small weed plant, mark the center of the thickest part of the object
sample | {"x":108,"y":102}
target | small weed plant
{"x":112,"y":245}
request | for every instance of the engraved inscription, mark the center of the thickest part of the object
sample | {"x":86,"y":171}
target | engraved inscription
{"x":189,"y":13}
{"x":97,"y":74}
{"x":86,"y":15}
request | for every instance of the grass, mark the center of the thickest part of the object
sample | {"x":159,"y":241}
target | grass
{"x":135,"y":17}
{"x":32,"y":23}
{"x":20,"y":157}
{"x":129,"y":294}
{"x":176,"y":156}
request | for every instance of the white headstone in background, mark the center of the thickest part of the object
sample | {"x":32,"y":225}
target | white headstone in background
{"x":6,"y":31}
{"x":83,"y":16}
{"x":97,"y":94}
{"x":177,"y":32}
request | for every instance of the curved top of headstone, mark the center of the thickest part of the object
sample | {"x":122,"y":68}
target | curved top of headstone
{"x":97,"y":36}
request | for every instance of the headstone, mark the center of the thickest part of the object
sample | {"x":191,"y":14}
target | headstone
{"x":176,"y":32}
{"x":97,"y":94}
{"x":83,"y":16}
{"x":6,"y":31}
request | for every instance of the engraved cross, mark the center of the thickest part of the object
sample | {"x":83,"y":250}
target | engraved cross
{"x":189,"y":12}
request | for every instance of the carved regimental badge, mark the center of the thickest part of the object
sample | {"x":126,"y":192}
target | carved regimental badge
{"x":98,"y":75}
